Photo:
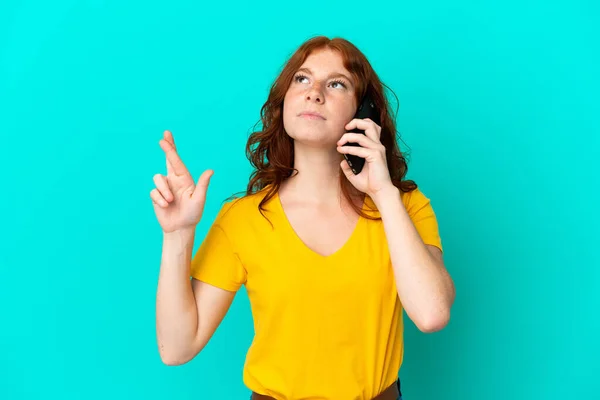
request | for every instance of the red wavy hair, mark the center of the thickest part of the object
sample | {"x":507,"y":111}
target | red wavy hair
{"x":271,"y":151}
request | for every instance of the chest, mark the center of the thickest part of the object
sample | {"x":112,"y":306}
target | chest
{"x":318,"y":263}
{"x":323,"y":231}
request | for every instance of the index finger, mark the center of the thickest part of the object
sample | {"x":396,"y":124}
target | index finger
{"x":169,"y":138}
{"x":371,"y":129}
{"x":173,"y":158}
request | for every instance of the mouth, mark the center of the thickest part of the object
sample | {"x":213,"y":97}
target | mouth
{"x":311,"y":115}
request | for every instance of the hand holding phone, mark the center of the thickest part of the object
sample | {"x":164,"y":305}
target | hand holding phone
{"x":366,"y":109}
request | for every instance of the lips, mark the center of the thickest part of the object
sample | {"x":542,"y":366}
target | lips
{"x":311,"y":115}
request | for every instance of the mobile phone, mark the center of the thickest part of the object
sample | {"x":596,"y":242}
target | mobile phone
{"x":366,"y":109}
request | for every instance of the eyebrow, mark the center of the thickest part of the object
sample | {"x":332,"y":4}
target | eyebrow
{"x":332,"y":75}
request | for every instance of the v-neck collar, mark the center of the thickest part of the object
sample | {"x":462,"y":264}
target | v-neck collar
{"x":303,"y":246}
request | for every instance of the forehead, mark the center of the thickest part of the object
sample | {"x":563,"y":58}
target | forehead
{"x":325,"y":61}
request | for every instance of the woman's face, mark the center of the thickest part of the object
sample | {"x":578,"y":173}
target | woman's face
{"x":320,"y":100}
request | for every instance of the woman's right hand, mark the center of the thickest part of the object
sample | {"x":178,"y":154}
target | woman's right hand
{"x":178,"y":202}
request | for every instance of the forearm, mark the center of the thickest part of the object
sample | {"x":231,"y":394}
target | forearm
{"x":176,"y":310}
{"x":424,"y":286}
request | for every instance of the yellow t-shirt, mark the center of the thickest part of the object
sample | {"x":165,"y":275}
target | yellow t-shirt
{"x":326,"y":327}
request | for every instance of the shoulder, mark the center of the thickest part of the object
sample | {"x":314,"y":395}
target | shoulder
{"x":245,"y":208}
{"x":420,"y":210}
{"x":415,"y":199}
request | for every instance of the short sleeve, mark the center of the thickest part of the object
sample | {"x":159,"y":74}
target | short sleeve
{"x":423,"y":217}
{"x":217,"y":262}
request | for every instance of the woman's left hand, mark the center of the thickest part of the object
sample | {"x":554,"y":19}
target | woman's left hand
{"x":375,"y":175}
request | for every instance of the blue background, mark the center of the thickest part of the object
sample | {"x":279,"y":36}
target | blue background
{"x":498,"y":104}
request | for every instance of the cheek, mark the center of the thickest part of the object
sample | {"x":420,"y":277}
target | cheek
{"x":288,"y":113}
{"x":288,"y":102}
{"x":346,"y":113}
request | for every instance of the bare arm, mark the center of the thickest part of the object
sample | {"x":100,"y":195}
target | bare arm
{"x":187,"y":312}
{"x":424,"y":285}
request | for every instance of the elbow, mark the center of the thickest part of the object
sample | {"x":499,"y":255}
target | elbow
{"x":174,"y":355}
{"x":434,"y":322}
{"x":173,"y":359}
{"x":437,"y":317}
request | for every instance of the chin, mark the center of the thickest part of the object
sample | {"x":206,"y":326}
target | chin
{"x":314,"y":138}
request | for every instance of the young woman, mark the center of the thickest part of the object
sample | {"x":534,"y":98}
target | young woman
{"x":329,"y":259}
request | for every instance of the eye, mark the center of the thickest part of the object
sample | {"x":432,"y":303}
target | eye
{"x":299,"y":77}
{"x":339,"y":83}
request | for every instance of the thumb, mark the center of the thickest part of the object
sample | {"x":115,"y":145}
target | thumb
{"x":202,"y":185}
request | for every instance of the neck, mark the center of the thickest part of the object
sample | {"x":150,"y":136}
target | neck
{"x":317,"y":179}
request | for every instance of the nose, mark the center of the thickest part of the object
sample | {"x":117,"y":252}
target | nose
{"x":314,"y":94}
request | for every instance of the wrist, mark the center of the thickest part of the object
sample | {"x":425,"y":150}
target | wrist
{"x":179,"y":234}
{"x":387,"y":194}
